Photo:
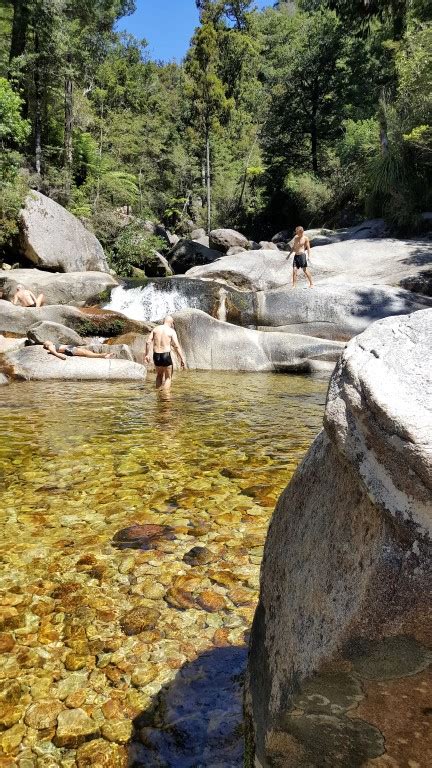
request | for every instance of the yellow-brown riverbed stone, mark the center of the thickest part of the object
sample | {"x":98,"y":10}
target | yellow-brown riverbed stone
{"x":101,"y":754}
{"x":74,"y":727}
{"x":43,"y":714}
{"x":11,"y":739}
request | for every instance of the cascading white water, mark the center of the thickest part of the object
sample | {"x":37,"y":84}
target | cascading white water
{"x":147,"y":303}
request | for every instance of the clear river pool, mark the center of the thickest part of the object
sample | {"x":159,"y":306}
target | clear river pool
{"x":132,"y":531}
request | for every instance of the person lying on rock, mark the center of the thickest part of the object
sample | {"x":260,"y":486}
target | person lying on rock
{"x":26,"y":298}
{"x":161,"y":339}
{"x":62,"y":351}
{"x":299,"y":245}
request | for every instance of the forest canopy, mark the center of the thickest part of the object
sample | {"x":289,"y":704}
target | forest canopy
{"x":312,"y":111}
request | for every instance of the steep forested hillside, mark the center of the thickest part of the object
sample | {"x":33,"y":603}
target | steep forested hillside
{"x":319,"y":111}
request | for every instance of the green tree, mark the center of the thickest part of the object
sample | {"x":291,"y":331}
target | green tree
{"x":14,"y":130}
{"x":207,"y":94}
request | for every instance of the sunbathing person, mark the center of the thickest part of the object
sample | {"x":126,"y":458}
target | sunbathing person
{"x":62,"y":351}
{"x":26,"y":298}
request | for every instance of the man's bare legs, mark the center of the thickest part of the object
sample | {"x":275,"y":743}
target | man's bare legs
{"x":306,"y":272}
{"x":40,"y":300}
{"x":163,"y":377}
{"x":309,"y":277}
{"x":81,"y":352}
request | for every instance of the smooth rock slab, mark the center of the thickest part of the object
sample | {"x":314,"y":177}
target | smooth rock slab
{"x":346,"y":576}
{"x":35,"y":364}
{"x":210,"y":344}
{"x":386,"y":261}
{"x":77,"y":288}
{"x":332,"y":312}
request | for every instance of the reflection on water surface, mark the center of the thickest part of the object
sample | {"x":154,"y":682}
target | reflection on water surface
{"x":91,"y":632}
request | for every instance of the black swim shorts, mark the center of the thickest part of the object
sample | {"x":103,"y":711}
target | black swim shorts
{"x":162,"y":359}
{"x":300,"y":261}
{"x":69,"y":350}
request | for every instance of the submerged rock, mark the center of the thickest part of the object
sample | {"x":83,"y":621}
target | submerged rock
{"x":198,"y":556}
{"x":346,"y":575}
{"x":100,"y":754}
{"x":74,"y":726}
{"x":142,"y":536}
{"x":139,"y":619}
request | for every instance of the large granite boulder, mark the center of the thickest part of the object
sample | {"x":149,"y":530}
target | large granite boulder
{"x":211,"y":344}
{"x":341,"y":640}
{"x":190,"y":253}
{"x":86,"y":322}
{"x":222,"y":239}
{"x":55,"y":239}
{"x":353,"y":262}
{"x":35,"y":364}
{"x":330,"y":312}
{"x":78,"y":288}
{"x":55,"y":332}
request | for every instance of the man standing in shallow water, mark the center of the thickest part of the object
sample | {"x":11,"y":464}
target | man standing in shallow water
{"x":162,"y":338}
{"x":300,"y":244}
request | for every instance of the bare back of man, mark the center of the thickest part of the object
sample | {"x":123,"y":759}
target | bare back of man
{"x":300,"y":245}
{"x":162,"y":339}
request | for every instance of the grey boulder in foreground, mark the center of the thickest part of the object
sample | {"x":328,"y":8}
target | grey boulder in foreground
{"x":77,"y":288}
{"x":35,"y":364}
{"x":338,"y":652}
{"x":53,"y":238}
{"x":210,"y":344}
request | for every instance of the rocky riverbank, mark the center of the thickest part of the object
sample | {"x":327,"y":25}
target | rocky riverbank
{"x":340,"y":647}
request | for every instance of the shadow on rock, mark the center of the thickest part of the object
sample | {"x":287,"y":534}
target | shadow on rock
{"x":196,"y":721}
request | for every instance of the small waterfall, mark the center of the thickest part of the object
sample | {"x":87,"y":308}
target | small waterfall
{"x":221,"y":313}
{"x":148,"y":303}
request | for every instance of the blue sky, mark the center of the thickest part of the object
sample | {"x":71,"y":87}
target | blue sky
{"x":167,"y":25}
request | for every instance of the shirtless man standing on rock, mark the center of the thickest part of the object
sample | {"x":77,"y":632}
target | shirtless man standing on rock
{"x":300,"y":244}
{"x":162,"y":338}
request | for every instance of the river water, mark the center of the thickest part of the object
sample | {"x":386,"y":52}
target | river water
{"x":132,"y":535}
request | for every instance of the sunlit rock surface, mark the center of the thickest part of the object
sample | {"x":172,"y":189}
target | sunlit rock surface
{"x":385,"y":261}
{"x":87,"y":322}
{"x":53,"y":238}
{"x":75,"y":288}
{"x":340,"y":649}
{"x":36,"y":364}
{"x":212,"y":344}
